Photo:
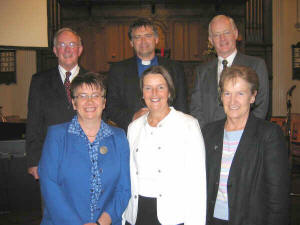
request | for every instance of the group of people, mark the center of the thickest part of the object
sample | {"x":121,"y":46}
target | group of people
{"x":223,"y":164}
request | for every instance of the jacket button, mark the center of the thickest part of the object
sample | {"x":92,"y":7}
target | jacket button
{"x":135,"y":197}
{"x":137,"y":173}
{"x":137,"y":150}
{"x":159,"y":171}
{"x":159,"y":148}
{"x":101,"y":170}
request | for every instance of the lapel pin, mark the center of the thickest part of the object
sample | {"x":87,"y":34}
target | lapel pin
{"x":216,"y":147}
{"x":103,"y":150}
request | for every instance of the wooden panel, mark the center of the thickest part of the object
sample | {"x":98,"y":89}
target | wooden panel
{"x":178,"y":41}
{"x":128,"y":50}
{"x":194,"y":42}
{"x":113,"y":33}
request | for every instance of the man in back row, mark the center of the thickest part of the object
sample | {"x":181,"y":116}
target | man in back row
{"x":124,"y":100}
{"x":49,"y":100}
{"x":205,"y":102}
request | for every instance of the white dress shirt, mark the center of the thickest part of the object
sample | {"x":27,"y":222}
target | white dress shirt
{"x":177,"y":166}
{"x":62,"y":72}
{"x":229,"y":60}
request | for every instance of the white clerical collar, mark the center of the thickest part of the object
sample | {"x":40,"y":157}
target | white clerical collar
{"x":146,"y":62}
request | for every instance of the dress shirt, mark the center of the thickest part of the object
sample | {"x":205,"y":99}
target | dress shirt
{"x":62,"y":72}
{"x":229,"y":60}
{"x":180,"y":169}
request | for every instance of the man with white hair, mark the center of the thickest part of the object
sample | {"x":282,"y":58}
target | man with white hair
{"x":49,"y":100}
{"x":205,"y":103}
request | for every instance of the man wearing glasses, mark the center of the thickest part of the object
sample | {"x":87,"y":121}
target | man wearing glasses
{"x":205,"y":102}
{"x":49,"y":100}
{"x":124,"y":100}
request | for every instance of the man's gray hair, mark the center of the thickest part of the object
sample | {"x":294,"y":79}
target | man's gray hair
{"x":234,"y":27}
{"x":60,"y":31}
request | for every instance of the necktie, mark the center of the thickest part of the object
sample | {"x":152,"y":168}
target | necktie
{"x":224,"y":62}
{"x":67,"y":85}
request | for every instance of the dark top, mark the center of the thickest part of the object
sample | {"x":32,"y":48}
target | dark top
{"x":259,"y":182}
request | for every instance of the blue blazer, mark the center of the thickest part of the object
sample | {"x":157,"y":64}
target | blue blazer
{"x":65,"y":171}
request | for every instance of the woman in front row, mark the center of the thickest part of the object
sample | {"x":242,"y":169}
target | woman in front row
{"x":246,"y":159}
{"x":84,"y":168}
{"x":167,"y":159}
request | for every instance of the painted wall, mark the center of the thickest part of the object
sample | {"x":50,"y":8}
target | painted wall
{"x":284,"y":35}
{"x":13,"y":97}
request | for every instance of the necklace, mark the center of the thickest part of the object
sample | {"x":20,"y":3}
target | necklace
{"x":91,"y":135}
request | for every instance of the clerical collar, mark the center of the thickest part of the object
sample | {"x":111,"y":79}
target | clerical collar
{"x":145,"y":64}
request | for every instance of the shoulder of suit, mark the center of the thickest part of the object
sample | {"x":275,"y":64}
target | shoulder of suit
{"x":209,"y":64}
{"x":45,"y":75}
{"x":117,"y":131}
{"x":183,"y":117}
{"x":213,"y":127}
{"x":248,"y":57}
{"x":125,"y":62}
{"x":262,"y":125}
{"x":59,"y":129}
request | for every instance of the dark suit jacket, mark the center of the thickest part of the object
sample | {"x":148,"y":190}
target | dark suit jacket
{"x":124,"y":97}
{"x":259,"y":181}
{"x":205,"y":104}
{"x":47,"y":105}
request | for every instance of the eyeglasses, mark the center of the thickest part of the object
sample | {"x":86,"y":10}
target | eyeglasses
{"x":139,"y":37}
{"x":225,"y":33}
{"x":70,"y":44}
{"x":85,"y":97}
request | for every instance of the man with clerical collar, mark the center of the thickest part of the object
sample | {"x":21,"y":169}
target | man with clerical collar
{"x":49,"y":100}
{"x":205,"y":102}
{"x":124,"y":100}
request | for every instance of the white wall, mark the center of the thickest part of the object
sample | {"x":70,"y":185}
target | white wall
{"x":284,"y":35}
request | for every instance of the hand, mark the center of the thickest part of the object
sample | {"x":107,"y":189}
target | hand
{"x":139,"y":113}
{"x":105,"y":219}
{"x":34,"y":172}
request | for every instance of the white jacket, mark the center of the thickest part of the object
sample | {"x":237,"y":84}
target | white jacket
{"x":182,"y":189}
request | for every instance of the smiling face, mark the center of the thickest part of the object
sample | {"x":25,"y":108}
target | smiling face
{"x":156,"y":93}
{"x":144,"y":41}
{"x":67,"y":55}
{"x":223,"y":36}
{"x":236,"y":98}
{"x":88,"y":108}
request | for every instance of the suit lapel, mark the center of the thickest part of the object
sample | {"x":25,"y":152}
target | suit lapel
{"x":214,"y":94}
{"x":238,"y":59}
{"x":247,"y":142}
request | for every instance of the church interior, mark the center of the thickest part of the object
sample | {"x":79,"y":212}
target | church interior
{"x":269,"y":29}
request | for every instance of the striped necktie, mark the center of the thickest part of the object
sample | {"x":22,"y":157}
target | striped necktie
{"x":67,"y":85}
